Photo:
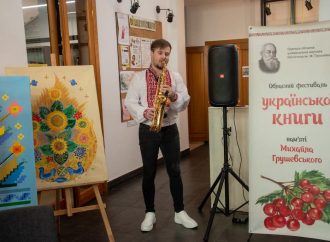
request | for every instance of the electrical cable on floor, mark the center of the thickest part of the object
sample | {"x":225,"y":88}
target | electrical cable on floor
{"x":240,"y":153}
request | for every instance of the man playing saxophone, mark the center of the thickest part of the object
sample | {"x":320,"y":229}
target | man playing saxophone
{"x":140,"y":102}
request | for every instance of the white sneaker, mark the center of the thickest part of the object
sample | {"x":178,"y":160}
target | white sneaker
{"x":148,"y":222}
{"x":184,"y":219}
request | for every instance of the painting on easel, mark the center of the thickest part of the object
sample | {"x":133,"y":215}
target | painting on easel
{"x":67,"y":131}
{"x":17,"y":172}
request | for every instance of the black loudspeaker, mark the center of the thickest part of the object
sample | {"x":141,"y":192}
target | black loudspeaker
{"x":223,"y":75}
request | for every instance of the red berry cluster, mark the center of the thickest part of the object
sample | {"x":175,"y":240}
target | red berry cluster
{"x":283,"y":213}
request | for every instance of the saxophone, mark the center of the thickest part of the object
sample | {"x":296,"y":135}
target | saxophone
{"x":159,"y":103}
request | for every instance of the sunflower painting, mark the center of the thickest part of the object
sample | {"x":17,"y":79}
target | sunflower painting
{"x":68,"y":143}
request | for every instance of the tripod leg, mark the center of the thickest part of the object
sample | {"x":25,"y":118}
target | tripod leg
{"x":238,"y":179}
{"x":210,"y":191}
{"x":250,"y":236}
{"x":214,"y":207}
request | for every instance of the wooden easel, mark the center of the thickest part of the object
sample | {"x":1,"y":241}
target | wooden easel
{"x":70,"y":210}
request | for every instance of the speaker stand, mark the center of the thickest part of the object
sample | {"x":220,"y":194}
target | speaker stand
{"x":223,"y":179}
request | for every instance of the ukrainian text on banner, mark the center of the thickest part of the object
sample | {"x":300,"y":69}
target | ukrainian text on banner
{"x":289,"y":125}
{"x":17,"y":170}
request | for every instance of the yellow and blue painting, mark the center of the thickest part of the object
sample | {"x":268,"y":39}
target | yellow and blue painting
{"x":68,"y":142}
{"x":17,"y":163}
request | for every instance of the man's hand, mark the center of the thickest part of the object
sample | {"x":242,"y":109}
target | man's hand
{"x":149,"y":113}
{"x":170,"y":94}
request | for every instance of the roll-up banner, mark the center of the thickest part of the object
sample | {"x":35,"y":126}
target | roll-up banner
{"x":289,"y":130}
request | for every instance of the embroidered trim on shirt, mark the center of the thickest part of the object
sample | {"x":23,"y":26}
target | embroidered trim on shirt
{"x":151,"y":79}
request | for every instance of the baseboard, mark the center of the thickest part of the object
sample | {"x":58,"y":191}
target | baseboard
{"x":115,"y":182}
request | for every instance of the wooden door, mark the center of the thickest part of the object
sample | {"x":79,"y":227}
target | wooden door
{"x":197,"y":88}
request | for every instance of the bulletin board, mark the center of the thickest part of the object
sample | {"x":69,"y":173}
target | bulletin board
{"x":134,"y":37}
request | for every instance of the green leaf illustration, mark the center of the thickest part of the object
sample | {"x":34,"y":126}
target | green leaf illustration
{"x":270,"y":197}
{"x":49,"y":137}
{"x":71,"y":123}
{"x":326,"y":214}
{"x":69,"y":111}
{"x":46,"y":150}
{"x":57,"y":105}
{"x":43,"y":112}
{"x":44,"y":127}
{"x":316,"y":178}
{"x":65,"y":134}
{"x":71,"y":146}
{"x":61,"y":159}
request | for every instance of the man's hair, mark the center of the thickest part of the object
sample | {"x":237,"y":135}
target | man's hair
{"x":264,"y":46}
{"x":160,"y":43}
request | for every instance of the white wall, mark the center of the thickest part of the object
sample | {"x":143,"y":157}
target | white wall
{"x":121,"y":142}
{"x":324,"y":10}
{"x":220,"y":20}
{"x":12,"y":38}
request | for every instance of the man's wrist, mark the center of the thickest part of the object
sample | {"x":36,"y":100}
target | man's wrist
{"x":173,"y":97}
{"x":145,"y":113}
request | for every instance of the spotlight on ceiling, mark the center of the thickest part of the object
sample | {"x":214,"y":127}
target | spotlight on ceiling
{"x":267,"y":10}
{"x":169,"y":13}
{"x":308,"y":4}
{"x":134,"y":6}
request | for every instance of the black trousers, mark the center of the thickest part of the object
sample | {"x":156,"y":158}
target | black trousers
{"x":167,"y":140}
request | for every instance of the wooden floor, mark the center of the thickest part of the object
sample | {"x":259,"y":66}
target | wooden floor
{"x":125,"y":210}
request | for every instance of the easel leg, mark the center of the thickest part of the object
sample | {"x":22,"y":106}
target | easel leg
{"x":68,"y":201}
{"x":57,"y":207}
{"x":39,"y":197}
{"x":103,"y":213}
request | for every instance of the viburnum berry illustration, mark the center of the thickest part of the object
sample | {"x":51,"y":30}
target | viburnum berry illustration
{"x":304,"y":200}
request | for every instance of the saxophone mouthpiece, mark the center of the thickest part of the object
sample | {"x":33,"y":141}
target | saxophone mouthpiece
{"x":164,"y":63}
{"x":166,"y":93}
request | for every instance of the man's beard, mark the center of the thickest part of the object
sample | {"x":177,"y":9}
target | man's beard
{"x":159,"y":66}
{"x":272,"y":63}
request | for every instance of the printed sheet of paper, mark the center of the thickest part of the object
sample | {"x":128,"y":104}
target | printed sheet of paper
{"x":135,"y":47}
{"x":145,"y":52}
{"x":123,"y":29}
